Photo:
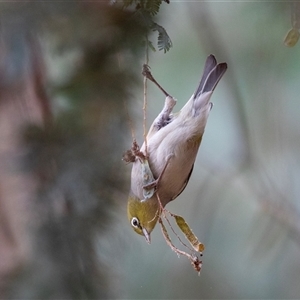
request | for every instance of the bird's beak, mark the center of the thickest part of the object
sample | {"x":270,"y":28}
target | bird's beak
{"x":146,"y":235}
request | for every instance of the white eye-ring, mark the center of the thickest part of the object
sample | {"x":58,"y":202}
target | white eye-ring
{"x":135,"y":222}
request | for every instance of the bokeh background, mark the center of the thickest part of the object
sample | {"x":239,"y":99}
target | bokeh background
{"x":70,"y":81}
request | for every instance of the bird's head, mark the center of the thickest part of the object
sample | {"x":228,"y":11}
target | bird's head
{"x":143,"y":215}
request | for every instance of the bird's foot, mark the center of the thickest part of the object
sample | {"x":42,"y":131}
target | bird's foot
{"x":153,"y":184}
{"x":130,"y":155}
{"x":146,"y":72}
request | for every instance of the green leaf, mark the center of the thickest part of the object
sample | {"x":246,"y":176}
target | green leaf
{"x":292,"y":37}
{"x":152,"y":6}
{"x":144,"y":12}
{"x":185,"y":228}
{"x":164,"y":42}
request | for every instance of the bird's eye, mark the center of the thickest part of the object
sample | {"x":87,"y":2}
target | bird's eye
{"x":135,"y":222}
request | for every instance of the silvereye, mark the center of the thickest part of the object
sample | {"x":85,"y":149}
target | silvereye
{"x":173,"y":141}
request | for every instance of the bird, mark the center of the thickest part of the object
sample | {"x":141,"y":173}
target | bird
{"x":163,"y":165}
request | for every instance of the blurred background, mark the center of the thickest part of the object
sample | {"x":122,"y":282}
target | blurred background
{"x":70,"y":81}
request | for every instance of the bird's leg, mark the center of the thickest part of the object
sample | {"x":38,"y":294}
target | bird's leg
{"x":136,"y":150}
{"x":146,"y":72}
{"x":130,"y":155}
{"x":155,"y":182}
{"x":165,"y":116}
{"x":148,"y":178}
{"x":149,"y":182}
{"x":150,"y":188}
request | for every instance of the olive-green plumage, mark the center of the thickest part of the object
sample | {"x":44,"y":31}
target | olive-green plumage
{"x":172,"y":145}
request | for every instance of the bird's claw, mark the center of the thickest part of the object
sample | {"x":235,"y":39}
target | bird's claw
{"x":130,"y":155}
{"x":146,"y":72}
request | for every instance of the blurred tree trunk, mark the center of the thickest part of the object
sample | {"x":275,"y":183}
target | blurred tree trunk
{"x":19,"y":105}
{"x":60,"y":172}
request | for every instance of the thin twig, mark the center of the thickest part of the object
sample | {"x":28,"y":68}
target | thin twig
{"x":178,"y":237}
{"x":145,"y":101}
{"x":196,"y":263}
{"x":163,"y":213}
{"x":130,"y":123}
{"x":169,"y":242}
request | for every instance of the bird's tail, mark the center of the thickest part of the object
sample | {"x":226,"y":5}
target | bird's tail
{"x":212,"y":74}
